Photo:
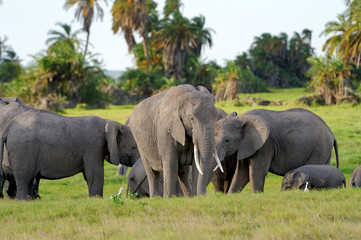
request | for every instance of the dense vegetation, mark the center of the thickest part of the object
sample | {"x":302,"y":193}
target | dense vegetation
{"x":167,"y":48}
{"x":66,"y":212}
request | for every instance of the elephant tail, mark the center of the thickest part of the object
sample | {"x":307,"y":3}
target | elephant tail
{"x":3,"y":141}
{"x":336,"y":152}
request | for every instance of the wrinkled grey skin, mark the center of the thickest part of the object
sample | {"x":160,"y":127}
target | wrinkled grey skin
{"x":166,"y":126}
{"x":138,"y":182}
{"x":317,"y":176}
{"x":43,"y":144}
{"x":9,"y":108}
{"x":355,"y":180}
{"x":274,"y":141}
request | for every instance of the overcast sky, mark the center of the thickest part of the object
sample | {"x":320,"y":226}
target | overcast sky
{"x":235,"y":22}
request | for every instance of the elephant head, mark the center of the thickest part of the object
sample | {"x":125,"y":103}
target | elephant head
{"x":189,"y":113}
{"x":121,"y":144}
{"x":137,"y":180}
{"x":244,"y":135}
{"x":294,"y":180}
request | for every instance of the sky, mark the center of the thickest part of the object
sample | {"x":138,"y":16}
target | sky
{"x":235,"y":23}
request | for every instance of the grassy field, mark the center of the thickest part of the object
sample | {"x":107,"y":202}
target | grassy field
{"x":66,"y":212}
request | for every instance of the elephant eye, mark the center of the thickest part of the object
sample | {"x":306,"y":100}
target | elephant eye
{"x":227,"y":140}
{"x":192,"y":119}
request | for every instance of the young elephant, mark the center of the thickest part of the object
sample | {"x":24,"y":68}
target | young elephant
{"x":317,"y":176}
{"x":355,"y":180}
{"x":138,"y":181}
{"x":46,"y":145}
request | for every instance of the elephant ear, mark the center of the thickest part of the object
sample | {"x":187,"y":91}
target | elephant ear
{"x":300,"y":179}
{"x":254,"y":133}
{"x":113,"y":136}
{"x":170,"y":116}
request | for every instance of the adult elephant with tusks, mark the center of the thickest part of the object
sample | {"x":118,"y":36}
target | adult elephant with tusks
{"x":272,"y":141}
{"x":47,"y":145}
{"x":168,"y":128}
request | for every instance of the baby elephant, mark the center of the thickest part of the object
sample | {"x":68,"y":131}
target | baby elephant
{"x":355,"y":180}
{"x":317,"y":176}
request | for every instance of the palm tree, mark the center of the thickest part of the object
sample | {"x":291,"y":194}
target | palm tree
{"x":328,"y":78}
{"x":131,"y":16}
{"x":202,"y":35}
{"x":66,"y":35}
{"x":171,"y":6}
{"x":354,"y":12}
{"x":341,"y":40}
{"x":176,"y":40}
{"x":85,"y":14}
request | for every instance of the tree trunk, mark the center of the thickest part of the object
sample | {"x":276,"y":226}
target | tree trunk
{"x":146,"y":53}
{"x":86,"y":45}
{"x":231,"y":90}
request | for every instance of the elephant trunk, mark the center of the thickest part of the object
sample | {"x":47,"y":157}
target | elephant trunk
{"x":206,"y":146}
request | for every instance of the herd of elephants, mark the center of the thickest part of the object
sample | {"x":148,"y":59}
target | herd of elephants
{"x":176,"y":142}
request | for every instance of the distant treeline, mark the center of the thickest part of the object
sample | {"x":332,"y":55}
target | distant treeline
{"x":169,"y":53}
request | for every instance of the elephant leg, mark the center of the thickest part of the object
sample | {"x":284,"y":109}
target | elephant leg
{"x":184,"y":182}
{"x":240,"y":177}
{"x":35,"y":189}
{"x":23,"y":185}
{"x":10,"y":188}
{"x":94,"y":174}
{"x":258,"y":169}
{"x":153,"y":179}
{"x":170,"y":176}
{"x":2,"y":182}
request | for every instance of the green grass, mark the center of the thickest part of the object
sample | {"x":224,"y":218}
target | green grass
{"x":66,"y":212}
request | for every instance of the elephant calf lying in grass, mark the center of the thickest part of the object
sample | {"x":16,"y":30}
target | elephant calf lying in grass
{"x":317,"y":176}
{"x":355,"y":180}
{"x":42,"y":144}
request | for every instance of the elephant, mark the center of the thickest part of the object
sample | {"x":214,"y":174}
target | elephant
{"x":138,"y":181}
{"x":355,"y":180}
{"x":122,"y":170}
{"x":272,"y":141}
{"x":9,"y":108}
{"x":168,"y":128}
{"x":47,"y":145}
{"x":316,"y":177}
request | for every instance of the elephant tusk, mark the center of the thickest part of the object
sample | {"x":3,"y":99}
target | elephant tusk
{"x":215,"y":168}
{"x":196,"y":159}
{"x":217,"y":160}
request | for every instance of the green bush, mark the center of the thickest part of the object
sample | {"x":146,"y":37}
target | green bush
{"x":249,"y":83}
